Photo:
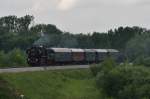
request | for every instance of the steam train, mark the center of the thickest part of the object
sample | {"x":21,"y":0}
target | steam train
{"x":42,"y":56}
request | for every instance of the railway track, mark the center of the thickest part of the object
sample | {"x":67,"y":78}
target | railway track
{"x":30,"y":69}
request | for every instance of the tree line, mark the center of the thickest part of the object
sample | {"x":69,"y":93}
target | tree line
{"x":21,"y":33}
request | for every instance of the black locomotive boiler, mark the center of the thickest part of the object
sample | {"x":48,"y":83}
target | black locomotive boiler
{"x":42,"y":56}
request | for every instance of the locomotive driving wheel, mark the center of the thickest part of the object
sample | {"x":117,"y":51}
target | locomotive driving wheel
{"x":33,"y":61}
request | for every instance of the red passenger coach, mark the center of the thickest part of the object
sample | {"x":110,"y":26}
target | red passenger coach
{"x":78,"y":55}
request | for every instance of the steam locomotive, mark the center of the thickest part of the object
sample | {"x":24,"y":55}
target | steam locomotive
{"x":42,"y":56}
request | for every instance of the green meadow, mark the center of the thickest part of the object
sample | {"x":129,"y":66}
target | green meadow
{"x":60,"y":84}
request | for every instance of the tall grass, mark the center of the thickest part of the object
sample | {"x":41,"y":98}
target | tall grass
{"x":6,"y":92}
{"x":72,"y":84}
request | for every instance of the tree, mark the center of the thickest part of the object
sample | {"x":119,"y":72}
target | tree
{"x":68,"y":40}
{"x":46,"y":28}
{"x":8,"y":24}
{"x":23,"y":23}
{"x":138,"y":47}
{"x":100,"y":40}
{"x":119,"y":37}
{"x":15,"y":32}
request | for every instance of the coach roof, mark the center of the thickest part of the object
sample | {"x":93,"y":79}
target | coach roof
{"x":89,"y":50}
{"x":101,"y":50}
{"x":61,"y":50}
{"x":77,"y":50}
{"x":112,"y":50}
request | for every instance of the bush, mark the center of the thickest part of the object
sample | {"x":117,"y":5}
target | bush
{"x":108,"y":63}
{"x":143,"y":61}
{"x":15,"y":57}
{"x":146,"y":61}
{"x":95,"y":69}
{"x":125,"y":82}
{"x":3,"y":59}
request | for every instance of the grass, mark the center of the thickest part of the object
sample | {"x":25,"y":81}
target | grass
{"x":6,"y":91}
{"x":61,"y":84}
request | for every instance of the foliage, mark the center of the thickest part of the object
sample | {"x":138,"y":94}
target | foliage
{"x":142,"y":61}
{"x":15,"y":32}
{"x":146,"y":61}
{"x":19,"y":32}
{"x":15,"y":57}
{"x":125,"y":82}
{"x":60,"y":84}
{"x":106,"y":65}
{"x":46,"y":28}
{"x":95,"y":69}
{"x":138,"y":47}
{"x":3,"y":59}
{"x":119,"y":37}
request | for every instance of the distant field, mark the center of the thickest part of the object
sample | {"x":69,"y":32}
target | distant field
{"x":61,"y":84}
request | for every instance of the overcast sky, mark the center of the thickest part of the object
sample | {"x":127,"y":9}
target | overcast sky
{"x":82,"y":15}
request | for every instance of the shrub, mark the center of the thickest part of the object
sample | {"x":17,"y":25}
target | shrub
{"x":139,"y":60}
{"x":3,"y":59}
{"x":107,"y":64}
{"x":125,"y":82}
{"x":95,"y":69}
{"x":15,"y":57}
{"x":146,"y":61}
{"x":143,"y":61}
